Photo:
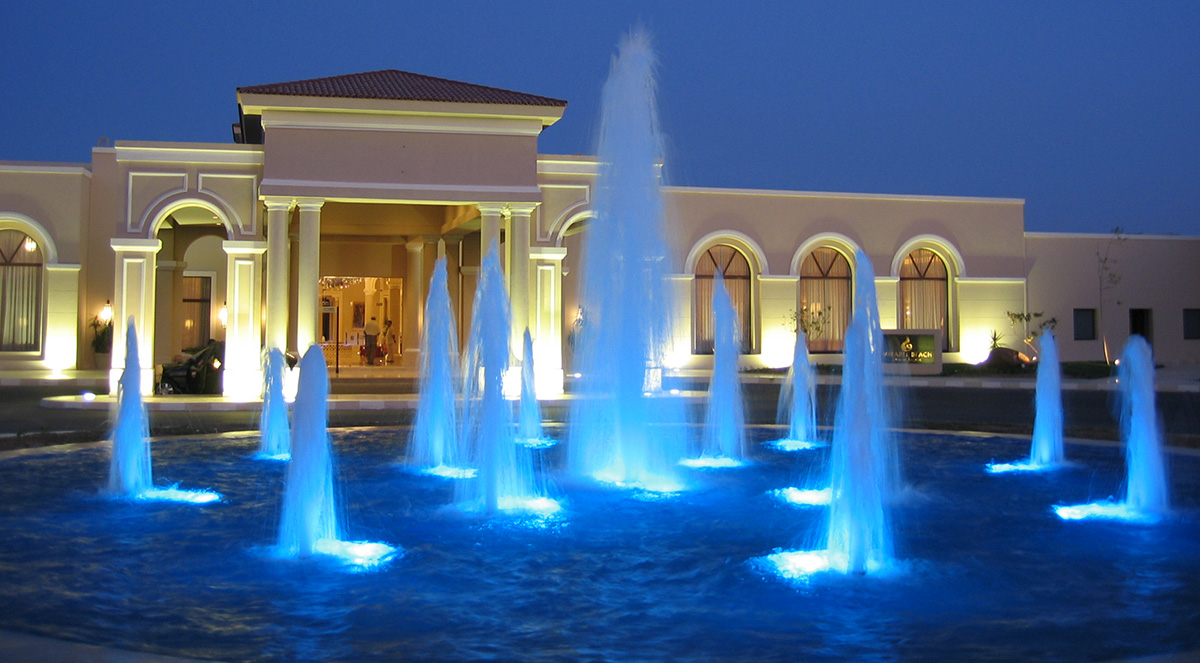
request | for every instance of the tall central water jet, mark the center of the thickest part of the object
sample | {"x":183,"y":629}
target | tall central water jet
{"x":864,"y":471}
{"x":434,"y":442}
{"x":623,"y":430}
{"x":505,"y":478}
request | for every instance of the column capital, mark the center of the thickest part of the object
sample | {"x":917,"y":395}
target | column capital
{"x":274,"y":204}
{"x":234,"y":247}
{"x":310,"y":204}
{"x":522,"y":209}
{"x":494,"y":209}
{"x":135,"y":245}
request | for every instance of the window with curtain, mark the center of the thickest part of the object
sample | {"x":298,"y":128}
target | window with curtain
{"x":734,"y":267}
{"x":197,"y":311}
{"x":20,"y":292}
{"x":924,"y":294}
{"x":825,"y":299}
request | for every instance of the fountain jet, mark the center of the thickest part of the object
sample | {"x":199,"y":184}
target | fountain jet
{"x":1046,"y":449}
{"x":529,"y":419}
{"x":434,"y":443}
{"x":723,"y":440}
{"x":798,"y":401}
{"x":276,"y":442}
{"x":308,"y":524}
{"x":864,"y":469}
{"x":129,"y":472}
{"x":1146,"y":495}
{"x":624,"y":429}
{"x":505,"y":480}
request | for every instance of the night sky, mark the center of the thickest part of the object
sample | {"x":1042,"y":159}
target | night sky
{"x":1088,"y":110}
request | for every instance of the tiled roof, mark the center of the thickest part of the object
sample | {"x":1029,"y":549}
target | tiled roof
{"x":401,"y":86}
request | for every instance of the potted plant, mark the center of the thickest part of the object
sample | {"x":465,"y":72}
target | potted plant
{"x":102,"y":340}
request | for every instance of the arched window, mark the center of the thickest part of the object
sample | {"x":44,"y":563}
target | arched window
{"x":825,"y":299}
{"x":20,"y":292}
{"x":924,"y":293}
{"x":732,"y":265}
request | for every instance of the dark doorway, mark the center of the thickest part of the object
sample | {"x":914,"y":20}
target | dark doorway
{"x":1142,"y":323}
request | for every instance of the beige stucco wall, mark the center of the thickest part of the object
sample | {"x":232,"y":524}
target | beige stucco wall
{"x":400,"y":165}
{"x":1160,"y":273}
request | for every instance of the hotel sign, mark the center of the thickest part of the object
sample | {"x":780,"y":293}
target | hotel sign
{"x":918,"y":349}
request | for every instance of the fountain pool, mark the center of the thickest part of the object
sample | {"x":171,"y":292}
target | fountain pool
{"x":984,"y":571}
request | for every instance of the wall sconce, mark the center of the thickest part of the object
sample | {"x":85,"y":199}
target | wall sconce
{"x":223,"y":315}
{"x":30,"y":245}
{"x":106,"y":312}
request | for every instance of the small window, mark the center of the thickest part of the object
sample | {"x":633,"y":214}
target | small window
{"x":1191,"y":324}
{"x":1085,"y":324}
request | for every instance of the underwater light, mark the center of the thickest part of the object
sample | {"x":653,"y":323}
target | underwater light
{"x":787,"y":444}
{"x":175,"y":494}
{"x":1001,"y":468}
{"x":88,"y":396}
{"x":708,"y":462}
{"x":360,"y":554}
{"x":267,"y":456}
{"x":1107,"y":510}
{"x":804,"y":496}
{"x":538,"y":442}
{"x":542,"y":506}
{"x":448,"y":472}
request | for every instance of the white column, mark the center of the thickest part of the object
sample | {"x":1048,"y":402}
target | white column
{"x":415,"y":286}
{"x":518,"y":274}
{"x":278,"y":254}
{"x":134,"y":298}
{"x":489,"y":228}
{"x":453,"y":248}
{"x":243,"y":332}
{"x":308,"y":274}
{"x":546,"y":317}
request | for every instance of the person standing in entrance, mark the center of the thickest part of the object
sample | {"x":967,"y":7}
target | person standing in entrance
{"x":371,"y":331}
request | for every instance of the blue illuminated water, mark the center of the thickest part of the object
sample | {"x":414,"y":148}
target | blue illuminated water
{"x":1145,"y":484}
{"x":129,"y":470}
{"x":435,"y":441}
{"x":276,"y":443}
{"x":625,"y":430}
{"x":988,"y":572}
{"x":1046,"y":447}
{"x":724,"y":434}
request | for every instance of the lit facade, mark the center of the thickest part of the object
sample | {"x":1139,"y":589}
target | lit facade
{"x":343,"y":191}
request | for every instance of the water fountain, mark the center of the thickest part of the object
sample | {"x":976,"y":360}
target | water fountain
{"x":1046,"y":448}
{"x":129,"y":473}
{"x":723,"y":440}
{"x":308,"y":523}
{"x":434,"y":442}
{"x":1146,"y":495}
{"x":505,"y":480}
{"x":529,"y":417}
{"x":276,"y":443}
{"x":624,"y":430}
{"x":798,"y":401}
{"x":864,"y":474}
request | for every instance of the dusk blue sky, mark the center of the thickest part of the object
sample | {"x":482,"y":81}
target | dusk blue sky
{"x":1087,"y":110}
